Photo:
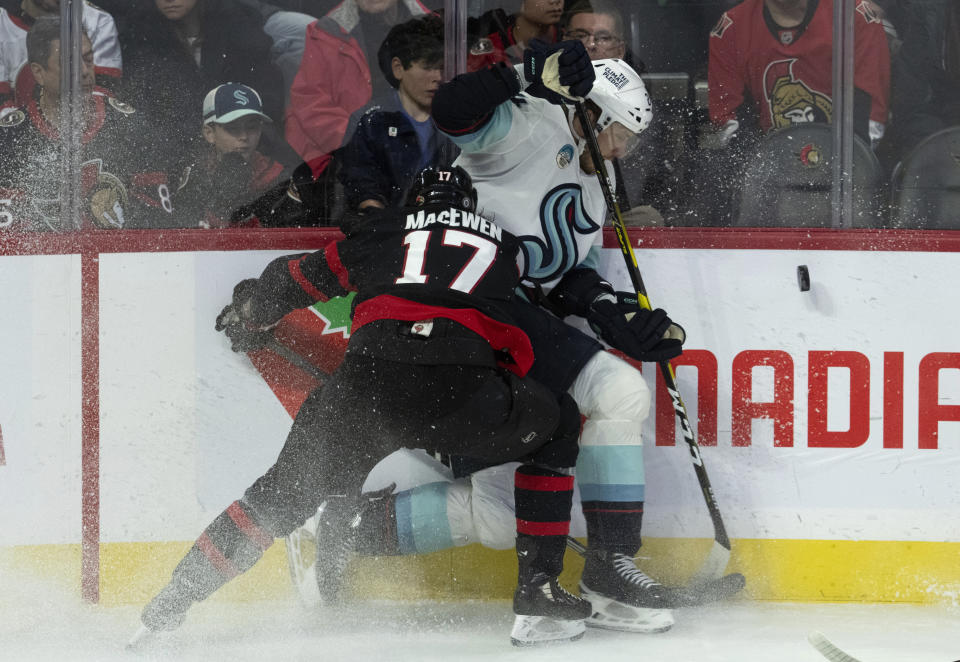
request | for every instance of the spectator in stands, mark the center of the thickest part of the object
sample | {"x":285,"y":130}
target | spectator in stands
{"x":16,"y":17}
{"x":334,"y":79}
{"x":229,"y":183}
{"x":599,"y":25}
{"x":121,"y":185}
{"x":773,"y":58}
{"x":498,"y":37}
{"x":176,"y":50}
{"x":641,"y":176}
{"x":288,"y":32}
{"x":395,"y":141}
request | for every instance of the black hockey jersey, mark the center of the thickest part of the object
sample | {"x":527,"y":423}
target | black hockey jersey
{"x":123,"y":182}
{"x":413,"y":264}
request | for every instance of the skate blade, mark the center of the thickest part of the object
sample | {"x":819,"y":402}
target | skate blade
{"x":144,"y":639}
{"x":610,"y":614}
{"x":543,"y":630}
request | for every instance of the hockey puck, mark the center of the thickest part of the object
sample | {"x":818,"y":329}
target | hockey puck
{"x":803,"y":278}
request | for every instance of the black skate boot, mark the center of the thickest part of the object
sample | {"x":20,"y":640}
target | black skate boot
{"x":546,"y":612}
{"x":623,"y":596}
{"x":339,"y":522}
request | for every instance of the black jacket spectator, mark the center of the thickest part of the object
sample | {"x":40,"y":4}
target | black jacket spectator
{"x":162,"y":76}
{"x":383,"y":156}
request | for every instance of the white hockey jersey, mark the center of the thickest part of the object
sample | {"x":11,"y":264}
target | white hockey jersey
{"x":526,"y":169}
{"x":15,"y":77}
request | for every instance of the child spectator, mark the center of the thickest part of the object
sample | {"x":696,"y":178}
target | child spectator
{"x":176,"y":50}
{"x":395,"y":141}
{"x":230,"y":183}
{"x":334,"y":80}
{"x":16,"y":18}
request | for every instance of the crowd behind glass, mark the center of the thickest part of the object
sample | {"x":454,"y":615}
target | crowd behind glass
{"x":290,"y":113}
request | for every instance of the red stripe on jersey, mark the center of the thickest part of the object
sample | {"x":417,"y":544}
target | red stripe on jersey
{"x":148,"y":179}
{"x":336,"y":266}
{"x":218,"y":560}
{"x":112,"y":72}
{"x":543,"y":483}
{"x":303,"y":282}
{"x":260,"y":538}
{"x":501,"y":336}
{"x":543,"y":528}
{"x":19,"y":21}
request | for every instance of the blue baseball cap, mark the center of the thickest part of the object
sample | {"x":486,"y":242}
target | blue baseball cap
{"x":230,"y":101}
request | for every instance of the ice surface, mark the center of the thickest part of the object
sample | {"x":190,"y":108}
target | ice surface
{"x":38,"y":623}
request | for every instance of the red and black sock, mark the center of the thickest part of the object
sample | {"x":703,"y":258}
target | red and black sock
{"x":542,"y":499}
{"x":228,"y":547}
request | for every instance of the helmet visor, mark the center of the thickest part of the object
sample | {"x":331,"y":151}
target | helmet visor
{"x":617,"y":141}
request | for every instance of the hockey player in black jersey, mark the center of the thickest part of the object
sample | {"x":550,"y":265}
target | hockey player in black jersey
{"x":435,"y":362}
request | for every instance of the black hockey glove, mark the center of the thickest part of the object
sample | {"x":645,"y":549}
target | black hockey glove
{"x":558,"y":70}
{"x":641,"y":334}
{"x":237,"y":320}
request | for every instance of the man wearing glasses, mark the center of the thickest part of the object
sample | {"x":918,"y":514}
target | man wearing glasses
{"x":599,"y":26}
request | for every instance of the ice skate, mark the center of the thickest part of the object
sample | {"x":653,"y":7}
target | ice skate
{"x":165,"y":613}
{"x":623,"y":596}
{"x":338,"y":525}
{"x":547,"y":614}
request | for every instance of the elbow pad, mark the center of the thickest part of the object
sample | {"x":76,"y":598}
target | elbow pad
{"x":465,"y":103}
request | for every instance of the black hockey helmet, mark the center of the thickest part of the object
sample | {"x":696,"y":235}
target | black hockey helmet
{"x":446,"y":185}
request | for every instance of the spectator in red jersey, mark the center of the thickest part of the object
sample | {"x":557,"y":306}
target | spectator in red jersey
{"x":229,"y":182}
{"x":123,"y":179}
{"x":16,"y":18}
{"x":334,"y":79}
{"x":778,"y":54}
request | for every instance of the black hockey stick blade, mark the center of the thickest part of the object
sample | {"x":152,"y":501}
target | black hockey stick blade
{"x":827,"y":649}
{"x":697,"y":593}
{"x":713,"y":590}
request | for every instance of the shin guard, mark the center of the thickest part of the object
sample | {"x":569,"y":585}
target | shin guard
{"x":542,"y":498}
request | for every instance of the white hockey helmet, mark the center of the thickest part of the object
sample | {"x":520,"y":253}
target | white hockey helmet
{"x":621,"y":96}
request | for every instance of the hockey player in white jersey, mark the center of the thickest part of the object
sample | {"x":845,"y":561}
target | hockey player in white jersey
{"x":526,"y":152}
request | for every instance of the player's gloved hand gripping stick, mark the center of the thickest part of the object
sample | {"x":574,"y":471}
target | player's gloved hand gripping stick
{"x":716,"y":562}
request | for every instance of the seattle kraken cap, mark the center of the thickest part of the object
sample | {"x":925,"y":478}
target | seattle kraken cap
{"x":231,"y":101}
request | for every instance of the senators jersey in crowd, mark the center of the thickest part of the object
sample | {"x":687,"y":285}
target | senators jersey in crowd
{"x":386,"y":256}
{"x":120,"y":187}
{"x":16,"y":80}
{"x":788,"y":72}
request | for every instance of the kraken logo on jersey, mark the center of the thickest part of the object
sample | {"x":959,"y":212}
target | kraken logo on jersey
{"x":562,"y":217}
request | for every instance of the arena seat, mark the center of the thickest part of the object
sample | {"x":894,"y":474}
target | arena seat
{"x":788,"y":179}
{"x":925,"y":188}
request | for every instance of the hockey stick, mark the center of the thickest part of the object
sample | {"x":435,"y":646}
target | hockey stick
{"x":295,"y":358}
{"x":827,"y":649}
{"x":716,"y":562}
